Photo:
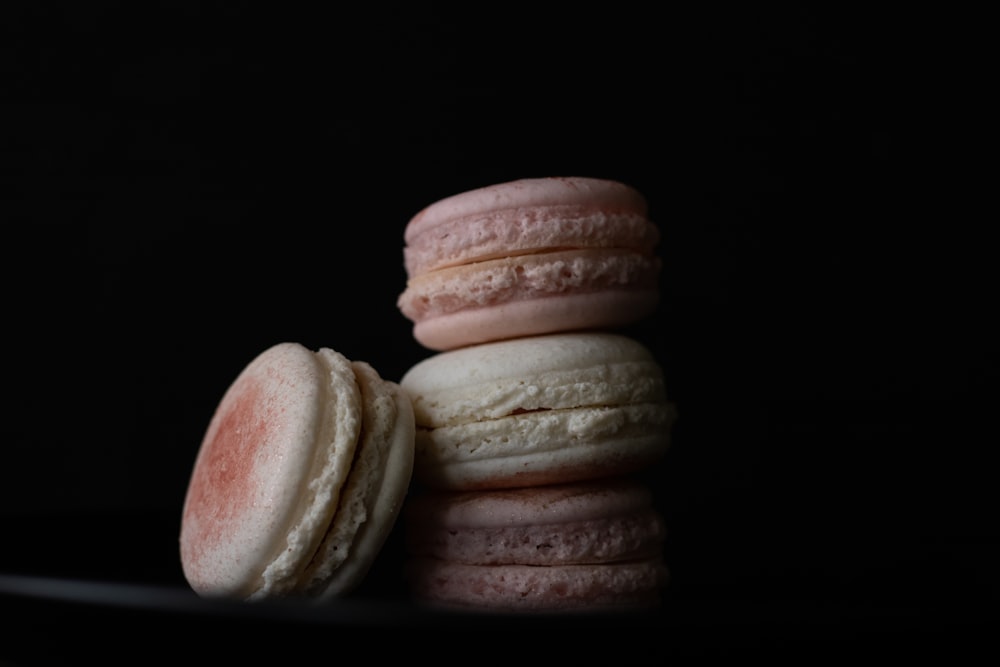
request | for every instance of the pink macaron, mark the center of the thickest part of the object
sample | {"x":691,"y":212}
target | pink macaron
{"x":529,"y":257}
{"x":585,"y":546}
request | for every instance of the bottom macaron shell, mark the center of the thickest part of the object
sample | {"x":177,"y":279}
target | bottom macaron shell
{"x":605,"y":521}
{"x":565,"y":312}
{"x":628,"y":586}
{"x":589,"y":455}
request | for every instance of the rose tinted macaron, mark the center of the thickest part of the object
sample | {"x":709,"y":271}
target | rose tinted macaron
{"x":593,"y":546}
{"x":529,"y":257}
{"x":299,"y":479}
{"x":538,"y":410}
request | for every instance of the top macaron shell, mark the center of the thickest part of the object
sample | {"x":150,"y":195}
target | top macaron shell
{"x":514,"y":217}
{"x":529,"y":257}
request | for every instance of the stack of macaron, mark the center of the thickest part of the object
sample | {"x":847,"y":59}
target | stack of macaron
{"x":521,"y":432}
{"x":534,"y":414}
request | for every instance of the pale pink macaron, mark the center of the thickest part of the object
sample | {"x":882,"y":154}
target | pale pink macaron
{"x":587,"y":546}
{"x":299,"y":479}
{"x":529,"y":257}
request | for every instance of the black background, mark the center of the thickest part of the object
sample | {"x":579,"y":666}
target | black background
{"x":189,"y":184}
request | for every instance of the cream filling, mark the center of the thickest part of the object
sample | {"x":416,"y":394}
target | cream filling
{"x":379,"y":415}
{"x":541,"y":432}
{"x":473,"y":406}
{"x":337,"y":434}
{"x":522,"y":277}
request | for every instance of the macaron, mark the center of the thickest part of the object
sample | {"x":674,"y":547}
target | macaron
{"x":585,"y":546}
{"x":299,"y":478}
{"x":529,"y":257}
{"x":538,"y":410}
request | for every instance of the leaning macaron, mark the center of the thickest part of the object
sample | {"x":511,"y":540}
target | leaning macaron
{"x":587,"y":546}
{"x":299,"y":479}
{"x":538,"y":410}
{"x":529,"y":257}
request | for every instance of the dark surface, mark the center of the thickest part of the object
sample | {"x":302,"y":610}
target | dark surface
{"x":191,"y":186}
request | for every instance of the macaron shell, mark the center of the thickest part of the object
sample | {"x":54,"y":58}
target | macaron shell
{"x":609,"y":521}
{"x":627,"y":586}
{"x":598,"y":194}
{"x":567,"y":370}
{"x":269,"y":471}
{"x":524,"y":230}
{"x":534,"y":317}
{"x":530,"y":506}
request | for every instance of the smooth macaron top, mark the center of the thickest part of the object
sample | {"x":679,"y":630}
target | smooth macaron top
{"x":526,"y":216}
{"x":530,"y":506}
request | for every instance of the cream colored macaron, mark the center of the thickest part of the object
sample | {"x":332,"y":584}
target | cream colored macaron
{"x":300,"y":477}
{"x":538,"y":410}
